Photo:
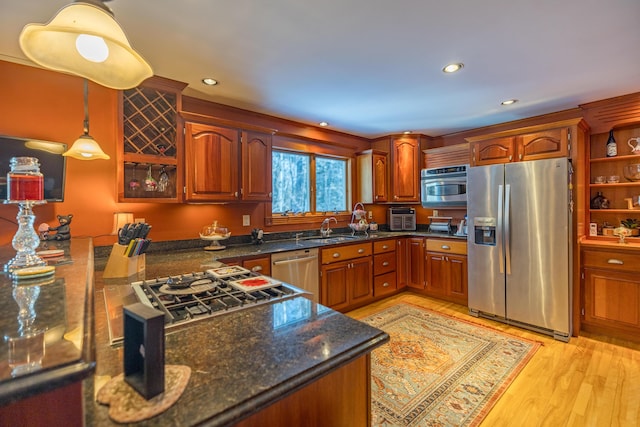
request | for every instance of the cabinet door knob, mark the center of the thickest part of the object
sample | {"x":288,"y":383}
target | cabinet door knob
{"x":361,"y":251}
{"x":615,"y":261}
{"x":385,"y":247}
{"x":257,"y":268}
{"x":336,"y":255}
{"x":445,"y":247}
{"x":385,"y":284}
{"x":386,"y":263}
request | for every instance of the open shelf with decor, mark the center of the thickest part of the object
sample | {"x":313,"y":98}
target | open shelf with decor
{"x":607,"y":176}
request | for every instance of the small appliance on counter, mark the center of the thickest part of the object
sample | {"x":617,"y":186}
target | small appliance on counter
{"x":440,"y":224}
{"x":402,"y":219}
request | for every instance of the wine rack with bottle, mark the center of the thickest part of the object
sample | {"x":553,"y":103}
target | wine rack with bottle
{"x":150,"y":157}
{"x":606,"y":176}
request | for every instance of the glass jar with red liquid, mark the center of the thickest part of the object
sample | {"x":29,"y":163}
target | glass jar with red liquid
{"x":24,"y":180}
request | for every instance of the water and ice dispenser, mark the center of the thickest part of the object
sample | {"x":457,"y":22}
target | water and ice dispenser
{"x":484,"y":231}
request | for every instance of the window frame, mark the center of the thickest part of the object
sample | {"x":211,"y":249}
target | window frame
{"x":313,"y":217}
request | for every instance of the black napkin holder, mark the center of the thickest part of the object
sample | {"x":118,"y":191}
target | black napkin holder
{"x":144,"y":349}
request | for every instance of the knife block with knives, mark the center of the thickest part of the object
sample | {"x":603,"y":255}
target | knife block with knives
{"x":127,"y":257}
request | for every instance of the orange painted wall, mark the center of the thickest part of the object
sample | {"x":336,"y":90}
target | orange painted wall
{"x":46,"y":105}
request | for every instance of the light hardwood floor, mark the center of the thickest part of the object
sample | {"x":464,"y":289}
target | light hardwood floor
{"x":590,"y":381}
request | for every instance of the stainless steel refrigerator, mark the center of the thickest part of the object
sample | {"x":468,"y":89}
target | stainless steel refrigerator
{"x":519,"y":252}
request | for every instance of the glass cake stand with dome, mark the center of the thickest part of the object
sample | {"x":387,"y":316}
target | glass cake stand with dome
{"x":214,"y":233}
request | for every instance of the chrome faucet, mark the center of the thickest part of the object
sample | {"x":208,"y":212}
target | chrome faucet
{"x":324,"y":232}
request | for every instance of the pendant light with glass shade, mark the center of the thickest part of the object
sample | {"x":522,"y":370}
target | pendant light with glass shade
{"x":85,"y":147}
{"x":84,"y":39}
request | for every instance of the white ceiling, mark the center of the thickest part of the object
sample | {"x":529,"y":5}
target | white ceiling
{"x":373,"y":67}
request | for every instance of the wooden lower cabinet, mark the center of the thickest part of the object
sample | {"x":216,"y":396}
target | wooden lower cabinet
{"x":437,"y":273}
{"x":341,"y":398}
{"x":446,"y":270}
{"x":59,"y":407}
{"x":447,"y":276}
{"x":347,"y":284}
{"x":416,"y":264}
{"x":611,"y":293}
{"x":260,"y":264}
{"x":402,"y":263}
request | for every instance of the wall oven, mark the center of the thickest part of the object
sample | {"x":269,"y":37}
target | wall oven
{"x":443,"y":187}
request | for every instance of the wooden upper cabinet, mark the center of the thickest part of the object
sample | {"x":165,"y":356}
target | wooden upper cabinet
{"x":226,"y":163}
{"x":151,"y":142}
{"x":256,"y":166}
{"x":211,"y":162}
{"x":405,"y":160}
{"x":545,"y":141}
{"x":403,"y":168}
{"x":543,"y":144}
{"x":372,"y":176}
{"x":493,"y":151}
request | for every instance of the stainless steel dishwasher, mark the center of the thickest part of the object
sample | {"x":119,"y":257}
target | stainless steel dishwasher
{"x":299,"y":268}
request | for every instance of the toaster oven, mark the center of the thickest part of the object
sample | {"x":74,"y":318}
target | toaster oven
{"x":402,"y":219}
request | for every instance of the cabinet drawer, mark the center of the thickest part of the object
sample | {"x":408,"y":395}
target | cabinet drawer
{"x":384,"y":246}
{"x":619,"y":261}
{"x":384,"y":284}
{"x":447,"y":246}
{"x":384,"y":263}
{"x":341,"y":253}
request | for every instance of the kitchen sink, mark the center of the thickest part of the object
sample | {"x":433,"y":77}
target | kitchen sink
{"x":334,"y":239}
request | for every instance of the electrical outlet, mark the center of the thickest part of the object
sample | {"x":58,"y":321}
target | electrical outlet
{"x":370,"y":215}
{"x":246,"y":220}
{"x":435,"y":213}
{"x":137,"y":220}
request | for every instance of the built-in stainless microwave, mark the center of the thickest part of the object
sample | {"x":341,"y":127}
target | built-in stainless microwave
{"x":446,"y":186}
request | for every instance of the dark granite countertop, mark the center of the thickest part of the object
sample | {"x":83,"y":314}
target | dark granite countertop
{"x":274,"y":246}
{"x":61,"y":309}
{"x":241,"y":361}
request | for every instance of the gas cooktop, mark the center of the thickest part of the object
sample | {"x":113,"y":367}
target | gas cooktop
{"x":195,"y":296}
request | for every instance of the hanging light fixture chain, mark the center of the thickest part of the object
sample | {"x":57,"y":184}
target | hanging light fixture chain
{"x":86,"y":107}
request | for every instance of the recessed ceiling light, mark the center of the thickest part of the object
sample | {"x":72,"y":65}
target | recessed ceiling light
{"x":209,"y":81}
{"x":509,"y":102}
{"x":323,"y":124}
{"x":452,"y":68}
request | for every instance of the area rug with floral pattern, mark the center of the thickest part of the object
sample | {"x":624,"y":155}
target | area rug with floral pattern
{"x":438,"y":370}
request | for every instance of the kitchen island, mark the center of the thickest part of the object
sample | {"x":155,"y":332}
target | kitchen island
{"x":47,"y":326}
{"x":291,"y":362}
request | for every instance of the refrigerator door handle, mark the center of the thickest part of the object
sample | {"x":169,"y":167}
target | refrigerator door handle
{"x":499,"y":229}
{"x":507,"y":227}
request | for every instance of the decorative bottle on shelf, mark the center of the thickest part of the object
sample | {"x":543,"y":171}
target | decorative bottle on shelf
{"x":599,"y":201}
{"x":612,"y":147}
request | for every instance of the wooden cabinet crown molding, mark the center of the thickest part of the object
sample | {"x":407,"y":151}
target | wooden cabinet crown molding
{"x":612,"y":112}
{"x":217,"y":121}
{"x":580,"y":122}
